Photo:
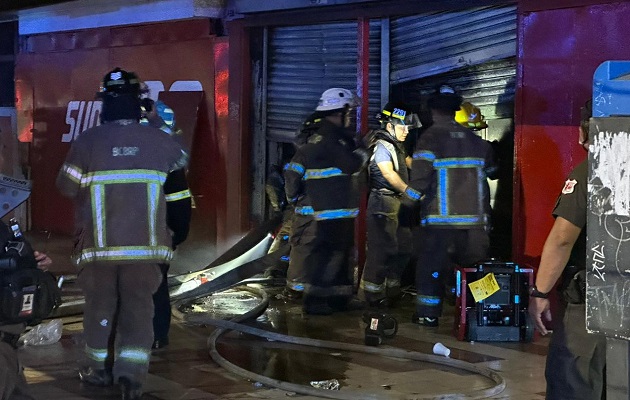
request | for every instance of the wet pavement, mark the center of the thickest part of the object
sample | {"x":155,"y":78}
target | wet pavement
{"x":185,"y":369}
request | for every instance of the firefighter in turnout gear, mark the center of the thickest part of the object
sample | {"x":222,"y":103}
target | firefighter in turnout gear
{"x":300,"y":223}
{"x":450,"y":167}
{"x":178,"y":213}
{"x":274,"y":188}
{"x":389,"y":244}
{"x":115,"y":172}
{"x":324,"y":171}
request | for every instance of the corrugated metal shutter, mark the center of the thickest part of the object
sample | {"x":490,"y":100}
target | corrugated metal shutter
{"x":436,"y":43}
{"x":374,"y":84}
{"x":489,"y":86}
{"x":306,"y":60}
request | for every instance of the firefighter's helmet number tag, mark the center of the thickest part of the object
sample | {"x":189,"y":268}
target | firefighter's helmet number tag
{"x":398,"y":113}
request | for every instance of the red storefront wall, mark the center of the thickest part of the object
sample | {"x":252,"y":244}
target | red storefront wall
{"x":559,"y":49}
{"x":560,"y":46}
{"x":56,"y":69}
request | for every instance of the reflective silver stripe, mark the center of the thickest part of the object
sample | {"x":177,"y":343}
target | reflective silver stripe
{"x":122,"y":253}
{"x":372,"y":287}
{"x":181,"y":162}
{"x":124,"y":176}
{"x":98,"y":214}
{"x":74,"y":173}
{"x":135,"y":355}
{"x":184,"y":194}
{"x":153,"y":198}
{"x":96,"y":354}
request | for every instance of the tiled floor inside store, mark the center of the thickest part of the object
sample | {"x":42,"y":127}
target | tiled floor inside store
{"x":185,"y":369}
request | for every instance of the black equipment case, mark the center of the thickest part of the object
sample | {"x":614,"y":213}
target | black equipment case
{"x":503,"y":316}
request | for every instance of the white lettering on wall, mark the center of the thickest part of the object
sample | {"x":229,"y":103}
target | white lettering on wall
{"x":81,"y":115}
{"x":155,"y":87}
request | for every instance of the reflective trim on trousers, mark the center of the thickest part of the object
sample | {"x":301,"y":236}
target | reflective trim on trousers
{"x":125,"y":253}
{"x":373,"y":288}
{"x":297,"y":286}
{"x":431,"y":301}
{"x":135,"y":355}
{"x":98,"y":355}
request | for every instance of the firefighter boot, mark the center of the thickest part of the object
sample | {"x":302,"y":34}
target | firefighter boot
{"x":130,"y":390}
{"x":95,"y":377}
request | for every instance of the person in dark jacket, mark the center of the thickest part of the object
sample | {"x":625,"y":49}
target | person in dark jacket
{"x":389,"y":243}
{"x":274,"y":188}
{"x":450,"y":167}
{"x":178,"y":214}
{"x":576,"y":360}
{"x":115,"y":172}
{"x":323,"y":171}
{"x":294,"y":225}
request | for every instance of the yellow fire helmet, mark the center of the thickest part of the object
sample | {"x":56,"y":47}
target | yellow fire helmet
{"x":470,"y":117}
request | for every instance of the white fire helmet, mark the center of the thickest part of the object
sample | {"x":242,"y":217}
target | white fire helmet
{"x":337,"y":98}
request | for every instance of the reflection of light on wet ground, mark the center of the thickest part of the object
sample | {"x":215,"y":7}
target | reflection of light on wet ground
{"x":224,"y":305}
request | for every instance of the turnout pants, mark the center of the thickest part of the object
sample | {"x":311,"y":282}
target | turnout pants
{"x":162,"y":303}
{"x":576,"y":359}
{"x":389,"y":247}
{"x":327,"y":266}
{"x":281,"y":242}
{"x":301,"y":239}
{"x":438,"y":249}
{"x":119,"y":304}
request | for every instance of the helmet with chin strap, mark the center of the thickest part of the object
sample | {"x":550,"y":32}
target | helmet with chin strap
{"x":337,"y":99}
{"x":119,"y":82}
{"x":470,"y":117}
{"x":398,"y":114}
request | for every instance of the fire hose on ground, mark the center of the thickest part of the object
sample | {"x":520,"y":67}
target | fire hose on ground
{"x":235,"y":324}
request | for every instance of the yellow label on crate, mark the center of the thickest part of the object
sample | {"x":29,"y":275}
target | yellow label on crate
{"x":484,"y":287}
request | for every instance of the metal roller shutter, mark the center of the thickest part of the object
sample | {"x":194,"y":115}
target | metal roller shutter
{"x":306,"y":60}
{"x":489,"y":86}
{"x":436,"y":43}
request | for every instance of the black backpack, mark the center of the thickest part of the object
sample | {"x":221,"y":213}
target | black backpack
{"x":27,"y":294}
